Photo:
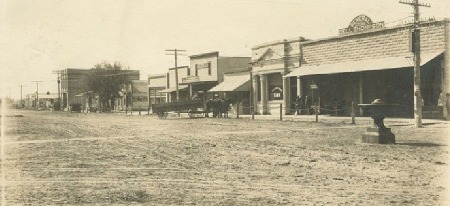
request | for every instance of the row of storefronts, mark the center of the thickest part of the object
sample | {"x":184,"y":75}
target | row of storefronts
{"x":355,"y":66}
{"x":208,"y":76}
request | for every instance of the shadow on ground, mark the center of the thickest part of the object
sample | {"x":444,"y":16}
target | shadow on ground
{"x":421,"y":144}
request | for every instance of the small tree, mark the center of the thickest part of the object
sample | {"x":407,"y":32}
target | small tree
{"x":106,"y":80}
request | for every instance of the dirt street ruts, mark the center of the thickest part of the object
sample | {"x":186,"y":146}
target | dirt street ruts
{"x":83,"y":159}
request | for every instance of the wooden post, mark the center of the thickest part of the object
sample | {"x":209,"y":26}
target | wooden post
{"x":237,"y":112}
{"x":139,"y":110}
{"x":281,"y":112}
{"x":315,"y":111}
{"x":253,"y":111}
{"x":353,"y":113}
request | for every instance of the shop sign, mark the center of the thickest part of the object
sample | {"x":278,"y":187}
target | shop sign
{"x":277,"y":93}
{"x":203,"y":65}
{"x":190,"y":79}
{"x":361,"y":23}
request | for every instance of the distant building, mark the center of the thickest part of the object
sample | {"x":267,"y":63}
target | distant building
{"x":72,"y":84}
{"x":156,"y":84}
{"x":75,"y":90}
{"x":139,"y":95}
{"x":45,"y":101}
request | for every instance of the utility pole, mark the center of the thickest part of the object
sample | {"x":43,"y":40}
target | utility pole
{"x":416,"y":49}
{"x":176,"y":69}
{"x":21,"y":103}
{"x":37,"y":94}
{"x":58,"y":72}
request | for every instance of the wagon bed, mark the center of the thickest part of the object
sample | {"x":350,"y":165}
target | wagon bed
{"x":192,"y":108}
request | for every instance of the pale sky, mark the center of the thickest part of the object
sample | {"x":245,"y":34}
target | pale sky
{"x":39,"y":36}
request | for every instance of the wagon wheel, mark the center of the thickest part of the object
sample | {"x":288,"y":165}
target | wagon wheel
{"x":191,"y":113}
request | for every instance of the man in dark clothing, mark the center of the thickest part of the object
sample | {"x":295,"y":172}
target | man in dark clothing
{"x":224,"y":106}
{"x":299,"y":101}
{"x":215,"y":106}
{"x":209,"y":106}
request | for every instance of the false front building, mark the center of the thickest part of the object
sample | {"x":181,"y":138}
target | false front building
{"x":208,"y":70}
{"x":366,"y":61}
{"x":156,"y":83}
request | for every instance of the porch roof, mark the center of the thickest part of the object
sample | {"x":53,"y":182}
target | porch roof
{"x":362,"y":65}
{"x":236,"y":82}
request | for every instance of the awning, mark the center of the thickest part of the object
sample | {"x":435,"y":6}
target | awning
{"x":235,"y":82}
{"x":362,"y":65}
{"x":169,"y":90}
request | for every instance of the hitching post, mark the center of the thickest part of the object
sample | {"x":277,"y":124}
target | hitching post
{"x":281,"y":112}
{"x":139,"y":110}
{"x":353,"y":113}
{"x":237,"y":112}
{"x":253,"y":112}
{"x":315,"y":111}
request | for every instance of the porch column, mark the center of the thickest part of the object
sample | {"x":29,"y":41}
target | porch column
{"x":446,"y":72}
{"x":263,"y":81}
{"x":255,"y":92}
{"x":299,"y":86}
{"x":286,"y":95}
{"x":361,"y":99}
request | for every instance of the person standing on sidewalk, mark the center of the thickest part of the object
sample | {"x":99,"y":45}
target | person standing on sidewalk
{"x":299,"y":104}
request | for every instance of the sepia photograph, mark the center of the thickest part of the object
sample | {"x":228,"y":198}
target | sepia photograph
{"x":225,"y":102}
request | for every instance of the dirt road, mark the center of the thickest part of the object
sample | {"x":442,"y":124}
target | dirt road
{"x":61,"y":158}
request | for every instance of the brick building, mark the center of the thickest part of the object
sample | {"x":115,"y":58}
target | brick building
{"x":71,"y":85}
{"x":359,"y":65}
{"x":74,"y":88}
